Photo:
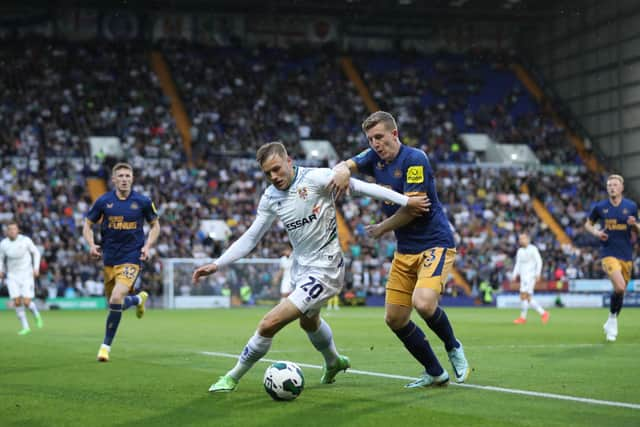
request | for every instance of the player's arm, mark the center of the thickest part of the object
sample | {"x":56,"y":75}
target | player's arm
{"x":342,"y":172}
{"x":400,"y":218}
{"x":416,"y":205}
{"x":516,"y":267}
{"x":1,"y":262}
{"x":538,"y":264}
{"x":87,"y":233}
{"x":35,"y":257}
{"x":154,"y":232}
{"x":239,"y":248}
{"x":591,"y":228}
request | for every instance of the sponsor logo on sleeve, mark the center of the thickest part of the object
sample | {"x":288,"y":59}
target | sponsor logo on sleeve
{"x":415,"y":174}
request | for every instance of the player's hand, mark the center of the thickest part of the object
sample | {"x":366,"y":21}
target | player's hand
{"x":418,"y":205}
{"x":374,"y":230}
{"x":1,"y":274}
{"x":202,"y":271}
{"x":95,"y":251}
{"x":36,"y":273}
{"x":339,"y":184}
{"x":144,"y":253}
{"x":632,"y":220}
{"x":603,"y":236}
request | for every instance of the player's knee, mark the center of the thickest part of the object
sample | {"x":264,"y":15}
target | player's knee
{"x":395,"y":322}
{"x":116,"y":299}
{"x":425,"y":306}
{"x":309,"y":324}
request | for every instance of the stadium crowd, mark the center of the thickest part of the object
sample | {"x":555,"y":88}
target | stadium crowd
{"x":56,"y":94}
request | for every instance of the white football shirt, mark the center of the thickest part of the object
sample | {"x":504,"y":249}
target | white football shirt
{"x":21,"y":255}
{"x":308,"y":213}
{"x":528,"y":263}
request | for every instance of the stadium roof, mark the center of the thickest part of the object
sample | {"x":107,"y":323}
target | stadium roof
{"x":501,"y":10}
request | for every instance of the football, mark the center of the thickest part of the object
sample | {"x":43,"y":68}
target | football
{"x":283,"y":380}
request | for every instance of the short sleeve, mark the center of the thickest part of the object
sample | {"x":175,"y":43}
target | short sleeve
{"x":150,"y":212}
{"x":417,"y":172}
{"x":95,"y":212}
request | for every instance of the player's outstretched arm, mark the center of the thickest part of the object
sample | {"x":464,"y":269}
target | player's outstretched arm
{"x":203,"y":271}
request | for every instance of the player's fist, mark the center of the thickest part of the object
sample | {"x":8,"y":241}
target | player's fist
{"x":603,"y":236}
{"x":144,"y":253}
{"x":203,"y":271}
{"x":95,"y":251}
{"x":632,"y":220}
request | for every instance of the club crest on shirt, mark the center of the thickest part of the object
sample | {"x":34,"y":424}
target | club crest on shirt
{"x":134,"y":205}
{"x":604,"y":211}
{"x":109,"y":205}
{"x":380,"y":165}
{"x":415,"y":175}
{"x":397,"y":173}
{"x":303,"y":193}
{"x":624,"y":211}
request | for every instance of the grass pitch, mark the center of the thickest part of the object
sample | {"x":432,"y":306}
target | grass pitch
{"x":161,"y":367}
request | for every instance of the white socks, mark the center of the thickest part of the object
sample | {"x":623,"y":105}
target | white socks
{"x":22,"y":316}
{"x":34,"y":309}
{"x":524,"y":304}
{"x":255,"y":350}
{"x":536,"y":306}
{"x":322,"y":340}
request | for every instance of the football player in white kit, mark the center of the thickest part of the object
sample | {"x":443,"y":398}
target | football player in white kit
{"x":23,"y":266}
{"x":299,"y":197}
{"x":528,"y":266}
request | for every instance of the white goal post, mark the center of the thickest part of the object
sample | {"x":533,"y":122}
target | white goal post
{"x":179,"y":291}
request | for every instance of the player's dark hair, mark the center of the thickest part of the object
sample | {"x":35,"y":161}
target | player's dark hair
{"x":13,"y":222}
{"x":379,"y":117}
{"x":269,"y":149}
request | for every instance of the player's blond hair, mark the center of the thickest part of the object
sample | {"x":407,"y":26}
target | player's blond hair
{"x":379,"y":117}
{"x":121,"y":165}
{"x":269,"y":149}
{"x":616,"y":176}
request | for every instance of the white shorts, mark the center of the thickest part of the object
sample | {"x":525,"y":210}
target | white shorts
{"x":314,"y":286}
{"x":527,"y":285}
{"x":21,"y":285}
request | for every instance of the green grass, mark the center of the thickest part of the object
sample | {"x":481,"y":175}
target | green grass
{"x":158,"y":375}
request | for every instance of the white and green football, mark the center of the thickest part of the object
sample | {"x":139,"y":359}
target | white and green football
{"x":283,"y":380}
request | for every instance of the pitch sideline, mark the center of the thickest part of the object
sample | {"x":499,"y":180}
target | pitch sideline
{"x":474,"y":386}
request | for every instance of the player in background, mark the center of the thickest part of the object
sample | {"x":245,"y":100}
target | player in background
{"x":425,"y":251}
{"x":286,"y":261}
{"x":334,"y":302}
{"x":528,"y":267}
{"x":23,"y":267}
{"x":122,"y":213}
{"x":617,"y":216}
{"x":300,"y":198}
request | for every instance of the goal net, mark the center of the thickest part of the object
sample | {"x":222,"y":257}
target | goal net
{"x":221,"y":289}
